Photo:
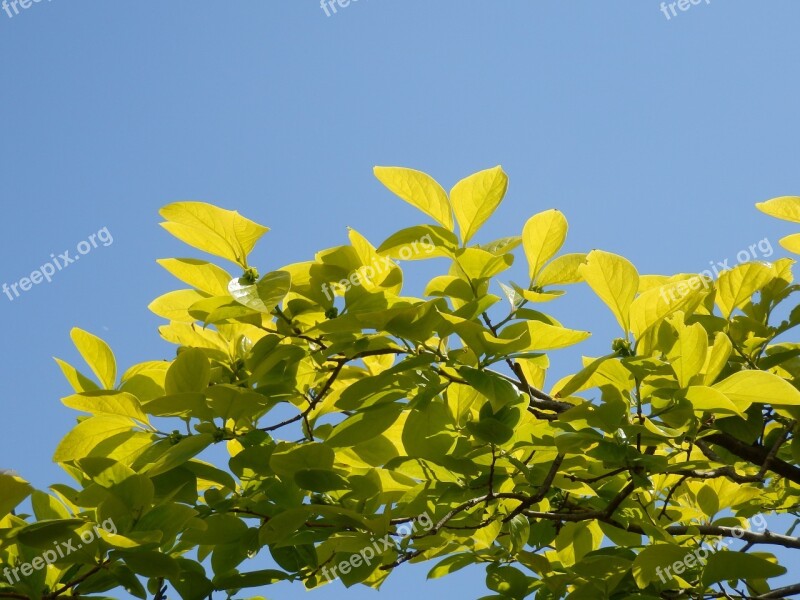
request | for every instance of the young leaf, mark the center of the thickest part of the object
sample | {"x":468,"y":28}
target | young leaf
{"x":79,"y":442}
{"x":783,"y":207}
{"x":97,"y":355}
{"x":263,"y":296}
{"x":78,"y":381}
{"x":736,"y":286}
{"x":688,"y":355}
{"x":543,"y":236}
{"x":13,"y":490}
{"x":200,"y":274}
{"x":420,"y":242}
{"x":476,"y":197}
{"x":420,"y":190}
{"x":747,"y":387}
{"x":223,"y":233}
{"x":615,"y":280}
{"x":562,"y":270}
{"x":191,"y":372}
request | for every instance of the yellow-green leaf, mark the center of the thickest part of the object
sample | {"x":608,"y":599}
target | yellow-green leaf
{"x":562,"y":270}
{"x":263,"y":296}
{"x":747,"y":387}
{"x":649,"y":564}
{"x":420,"y":190}
{"x":79,"y":442}
{"x":543,"y":236}
{"x":657,"y":303}
{"x":174,"y":306}
{"x":78,"y":381}
{"x":738,"y":566}
{"x":200,"y":274}
{"x":791,"y":243}
{"x":783,"y":207}
{"x":615,"y":280}
{"x":105,"y":403}
{"x":736,"y":286}
{"x":688,"y":355}
{"x":717,"y":358}
{"x":97,"y":355}
{"x":538,"y":335}
{"x":704,"y":398}
{"x":476,"y":197}
{"x":223,"y":233}
{"x":13,"y":490}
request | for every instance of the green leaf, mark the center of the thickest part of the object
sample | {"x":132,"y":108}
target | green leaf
{"x":491,"y":430}
{"x":178,"y":454}
{"x":739,"y":566}
{"x":419,"y":190}
{"x":42,"y":534}
{"x":649,"y":565}
{"x":320,"y":480}
{"x":451,"y":564}
{"x":364,"y":426}
{"x":497,"y":390}
{"x":97,"y":355}
{"x":230,"y":581}
{"x":263,"y":296}
{"x":220,"y":232}
{"x":149,"y":563}
{"x":476,"y":197}
{"x":615,"y":280}
{"x":428,"y":432}
{"x":542,"y":236}
{"x":287,"y":459}
{"x":190,"y":372}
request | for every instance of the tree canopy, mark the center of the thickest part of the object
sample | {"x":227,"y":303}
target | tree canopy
{"x":318,"y":424}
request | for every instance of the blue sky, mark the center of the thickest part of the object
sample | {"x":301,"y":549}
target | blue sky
{"x":654,"y":136}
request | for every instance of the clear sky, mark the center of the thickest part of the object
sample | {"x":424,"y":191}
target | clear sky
{"x":654,"y":135}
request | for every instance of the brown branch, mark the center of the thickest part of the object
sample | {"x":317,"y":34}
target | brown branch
{"x":757,"y":455}
{"x":783,"y":592}
{"x":539,"y":399}
{"x":541,"y":492}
